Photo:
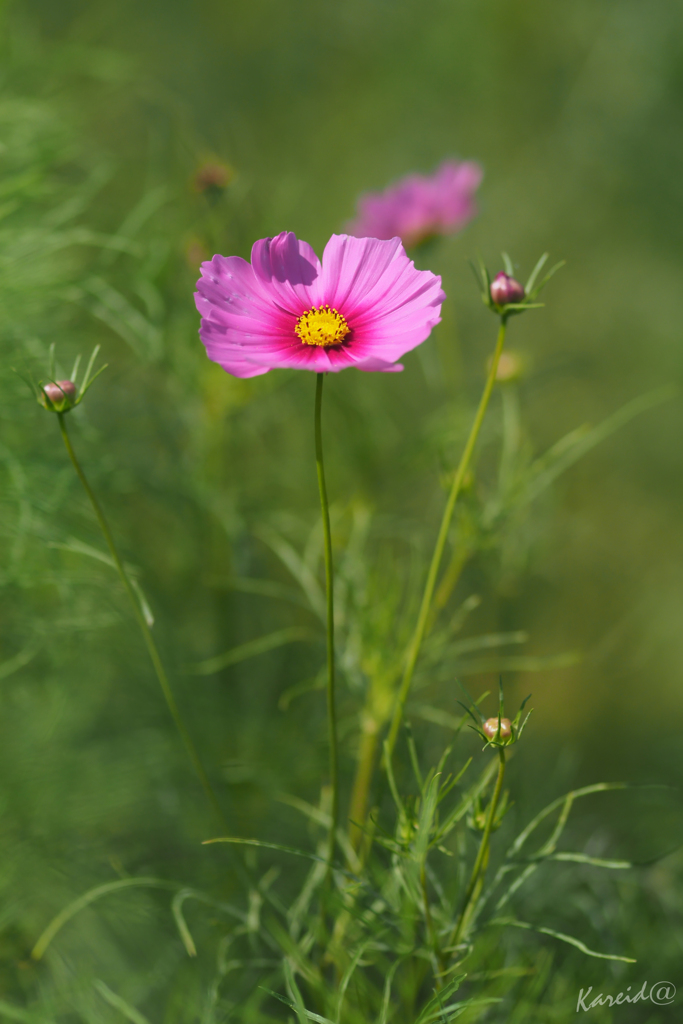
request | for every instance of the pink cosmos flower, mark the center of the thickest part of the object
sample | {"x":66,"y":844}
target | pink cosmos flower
{"x":420,"y":205}
{"x":363,"y":305}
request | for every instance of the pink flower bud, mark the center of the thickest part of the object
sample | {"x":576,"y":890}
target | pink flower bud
{"x":504,"y":290}
{"x":490,"y":728}
{"x":61,"y":394}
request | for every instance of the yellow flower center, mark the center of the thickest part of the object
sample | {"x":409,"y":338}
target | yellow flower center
{"x":322,"y":326}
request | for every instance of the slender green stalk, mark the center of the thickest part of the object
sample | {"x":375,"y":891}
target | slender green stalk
{"x":425,"y":607}
{"x":329,"y":594}
{"x":477,"y":877}
{"x":142,"y":623}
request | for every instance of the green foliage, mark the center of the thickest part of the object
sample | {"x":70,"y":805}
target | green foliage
{"x":113,"y":904}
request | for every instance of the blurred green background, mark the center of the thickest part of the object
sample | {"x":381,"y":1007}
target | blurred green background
{"x":107,"y":111}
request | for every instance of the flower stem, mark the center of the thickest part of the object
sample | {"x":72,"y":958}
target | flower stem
{"x":142,"y":623}
{"x":425,"y":607}
{"x":329,"y":594}
{"x":474,"y":887}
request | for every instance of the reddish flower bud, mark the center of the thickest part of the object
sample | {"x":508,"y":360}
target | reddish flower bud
{"x":61,"y":394}
{"x":504,"y":290}
{"x":212,"y":177}
{"x":490,"y":728}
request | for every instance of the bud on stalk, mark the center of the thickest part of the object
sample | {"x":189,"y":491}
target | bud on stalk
{"x":491,"y":726}
{"x":505,"y":290}
{"x":59,"y":396}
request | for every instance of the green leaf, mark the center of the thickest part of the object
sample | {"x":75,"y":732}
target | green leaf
{"x":308,"y":1014}
{"x":112,"y":307}
{"x":576,"y":444}
{"x":297,"y":567}
{"x":267,"y":588}
{"x":266,"y":846}
{"x":177,"y":911}
{"x":598,"y":862}
{"x":23,"y":657}
{"x":566,"y":800}
{"x":551,"y":273}
{"x":437,"y":999}
{"x":519,"y":663}
{"x":428,"y":804}
{"x":348,"y":974}
{"x":20,"y":1014}
{"x":86,"y":379}
{"x":86,"y":899}
{"x":325,"y":820}
{"x":128,"y":1011}
{"x":251,"y":649}
{"x":295,"y":994}
{"x":387,"y":991}
{"x":392,"y":782}
{"x":412,"y":750}
{"x":435,"y":715}
{"x":466,"y":801}
{"x":514,"y":923}
{"x":314,"y":683}
{"x":535,"y":272}
{"x":147,"y":612}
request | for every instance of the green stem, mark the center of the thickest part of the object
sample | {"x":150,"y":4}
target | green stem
{"x":480,"y":863}
{"x":142,"y":623}
{"x":425,"y":607}
{"x":329,"y":594}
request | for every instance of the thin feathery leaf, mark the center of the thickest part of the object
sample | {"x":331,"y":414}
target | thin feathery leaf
{"x":551,"y":273}
{"x":251,"y":649}
{"x":535,"y":272}
{"x":348,"y":974}
{"x":91,"y":362}
{"x":86,"y":387}
{"x":117,"y":1003}
{"x":505,"y":922}
{"x":294,"y":993}
{"x":74,"y":372}
{"x":86,"y":899}
{"x":386,"y":996}
{"x":412,"y":750}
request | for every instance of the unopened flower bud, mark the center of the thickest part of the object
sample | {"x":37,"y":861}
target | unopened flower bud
{"x":61,"y":395}
{"x":491,"y":726}
{"x":504,"y":290}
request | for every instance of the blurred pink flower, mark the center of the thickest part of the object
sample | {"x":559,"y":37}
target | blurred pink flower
{"x":364,"y":305}
{"x":420,"y":205}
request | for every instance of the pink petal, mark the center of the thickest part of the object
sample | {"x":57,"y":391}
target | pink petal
{"x":289,"y":269}
{"x":354,"y":269}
